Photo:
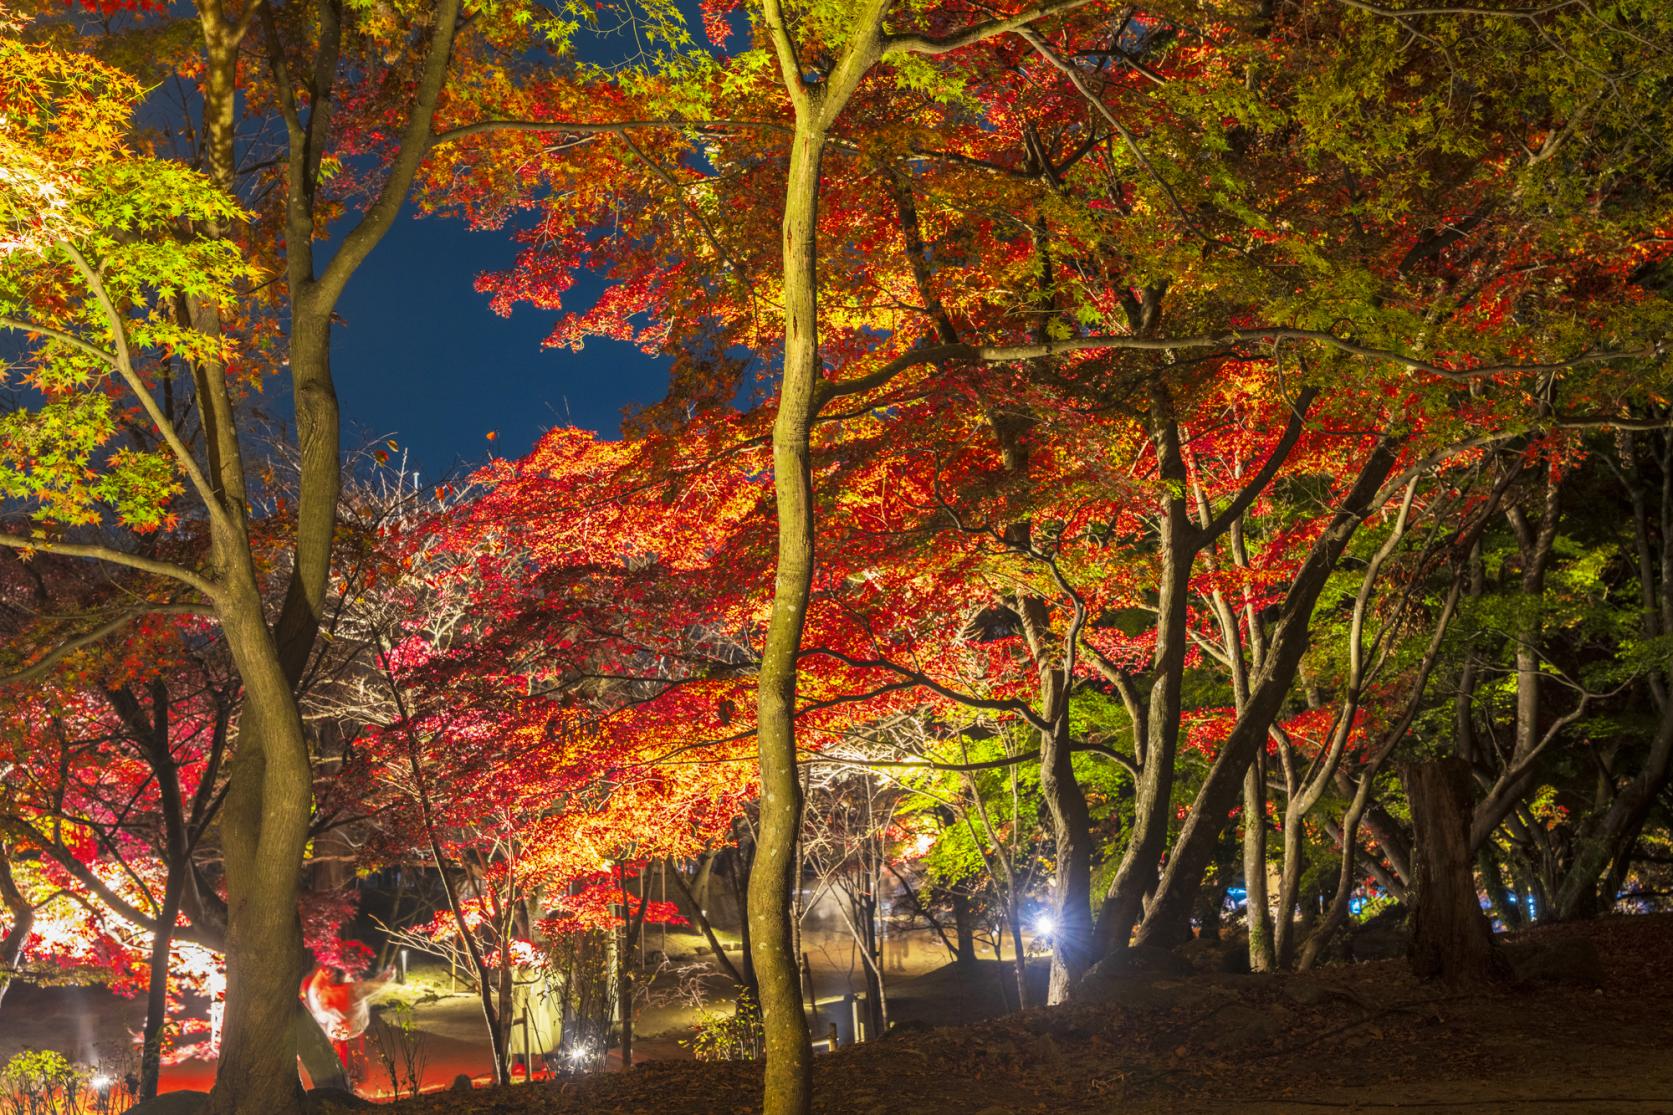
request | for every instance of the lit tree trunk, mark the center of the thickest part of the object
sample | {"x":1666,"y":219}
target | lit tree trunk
{"x":964,"y":931}
{"x":1294,"y":851}
{"x":264,"y":822}
{"x":264,"y":833}
{"x":1157,"y":724}
{"x":788,"y":1085}
{"x":1451,"y":939}
{"x":632,"y":923}
{"x":156,"y":995}
{"x":23,"y":922}
{"x":1156,"y":719}
{"x":1256,"y":914}
{"x":1072,"y":950}
{"x":772,"y":877}
{"x":1166,"y":920}
{"x":1019,"y":958}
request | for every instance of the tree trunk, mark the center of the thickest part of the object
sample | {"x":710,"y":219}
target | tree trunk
{"x":314,"y":1050}
{"x":1166,"y":918}
{"x":1289,"y":884}
{"x":1337,"y":912}
{"x":1451,"y":939}
{"x":700,"y":918}
{"x":772,"y":878}
{"x":1019,"y":958}
{"x":739,"y":874}
{"x":156,"y":996}
{"x":1072,"y":949}
{"x":1610,"y":841}
{"x":871,"y":966}
{"x":23,"y":923}
{"x":1135,"y":875}
{"x":964,"y":931}
{"x":264,"y":833}
{"x":1255,"y":912}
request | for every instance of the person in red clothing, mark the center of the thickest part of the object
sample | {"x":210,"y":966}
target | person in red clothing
{"x":341,"y":1005}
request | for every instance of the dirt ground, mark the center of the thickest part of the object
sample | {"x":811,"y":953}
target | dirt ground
{"x":1588,"y":1027}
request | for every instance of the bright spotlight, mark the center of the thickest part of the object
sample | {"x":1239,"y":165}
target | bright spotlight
{"x":101,"y":1083}
{"x":1044,"y":925}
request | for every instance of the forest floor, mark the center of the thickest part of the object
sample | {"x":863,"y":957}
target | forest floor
{"x":1588,"y":1027}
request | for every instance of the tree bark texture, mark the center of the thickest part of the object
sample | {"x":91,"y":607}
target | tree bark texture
{"x":1451,"y":939}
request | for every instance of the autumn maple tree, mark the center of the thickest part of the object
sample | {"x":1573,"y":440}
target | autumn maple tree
{"x":1186,"y":213}
{"x":1175,"y":398}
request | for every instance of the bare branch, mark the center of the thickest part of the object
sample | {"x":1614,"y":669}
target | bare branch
{"x":978,"y":32}
{"x":41,"y":666}
{"x":116,"y":557}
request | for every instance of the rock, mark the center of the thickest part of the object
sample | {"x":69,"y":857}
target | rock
{"x":1383,"y":937}
{"x":1120,"y":970}
{"x":1240,"y":1026}
{"x":908,"y":1026}
{"x":1207,"y":955}
{"x":1306,"y":993}
{"x":173,"y":1103}
{"x":1567,"y":960}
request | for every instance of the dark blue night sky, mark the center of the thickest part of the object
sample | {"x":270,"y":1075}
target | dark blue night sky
{"x":420,"y":357}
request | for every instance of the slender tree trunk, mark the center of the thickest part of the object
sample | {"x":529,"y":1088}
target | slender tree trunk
{"x":1289,"y":884}
{"x":740,"y":866}
{"x":1167,"y":916}
{"x":1256,"y":914}
{"x":700,"y":918}
{"x":632,"y":924}
{"x":1135,"y":876}
{"x":1610,"y":841}
{"x":1072,"y":948}
{"x":1019,"y":957}
{"x":23,"y":923}
{"x":1337,"y":912}
{"x":772,"y":878}
{"x":964,"y":931}
{"x":156,"y":996}
{"x":1451,"y":939}
{"x":871,"y":967}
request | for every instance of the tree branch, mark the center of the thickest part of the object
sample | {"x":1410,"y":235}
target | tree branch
{"x":414,"y":145}
{"x":994,"y":354}
{"x":969,"y":36}
{"x":115,"y":557}
{"x":40,"y":667}
{"x":124,"y":366}
{"x":1274,"y":461}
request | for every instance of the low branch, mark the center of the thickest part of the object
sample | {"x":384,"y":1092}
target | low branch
{"x":970,"y":36}
{"x":1228,"y":339}
{"x":40,"y":667}
{"x":116,"y":557}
